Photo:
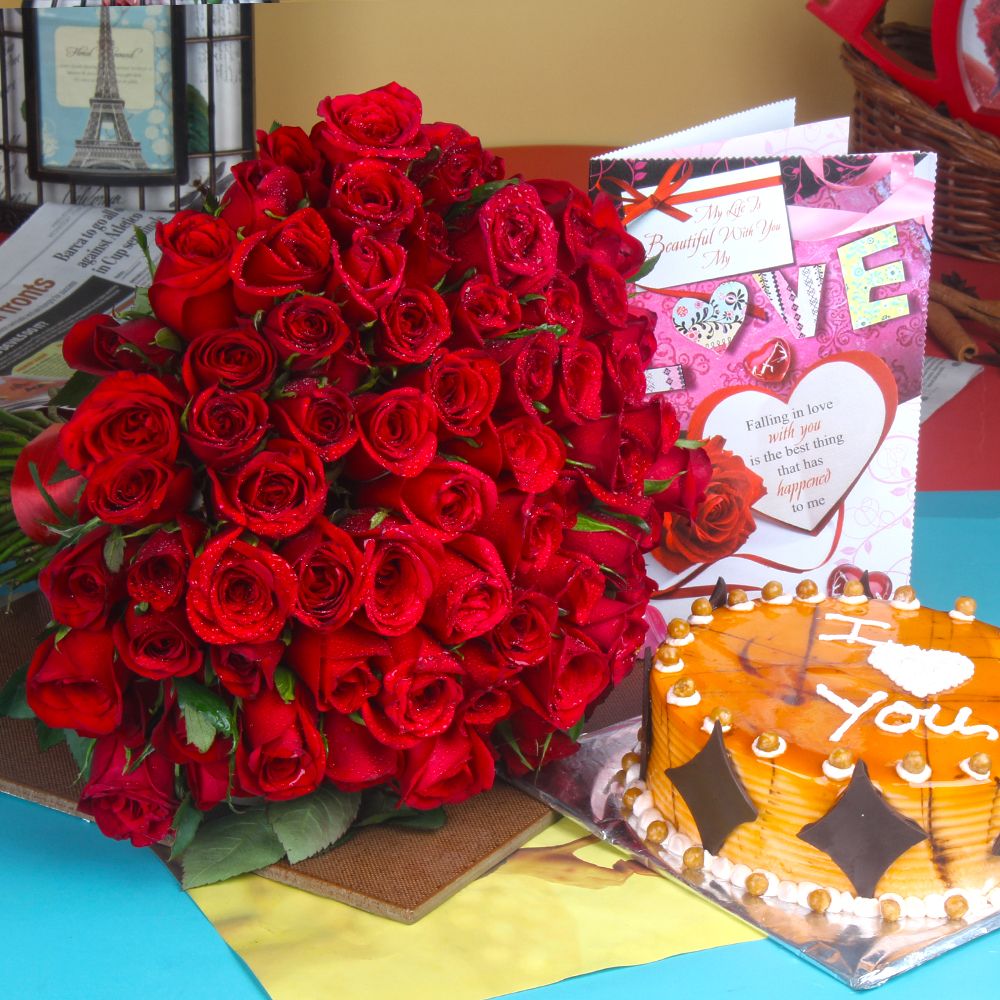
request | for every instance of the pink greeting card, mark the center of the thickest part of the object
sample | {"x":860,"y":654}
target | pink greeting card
{"x":789,"y":285}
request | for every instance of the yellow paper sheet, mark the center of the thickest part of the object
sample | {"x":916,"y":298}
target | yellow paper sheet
{"x":563,"y":905}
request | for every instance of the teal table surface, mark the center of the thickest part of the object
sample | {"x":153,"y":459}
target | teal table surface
{"x":84,"y":917}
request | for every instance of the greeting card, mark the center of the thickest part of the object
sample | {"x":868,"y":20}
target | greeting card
{"x":788,"y":280}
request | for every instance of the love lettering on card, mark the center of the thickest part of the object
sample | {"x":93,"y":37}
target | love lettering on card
{"x":787,"y":282}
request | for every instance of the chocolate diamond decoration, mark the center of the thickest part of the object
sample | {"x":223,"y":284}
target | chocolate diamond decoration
{"x":647,"y":669}
{"x":719,"y":594}
{"x":712,"y":789}
{"x":862,"y":833}
{"x":996,"y":845}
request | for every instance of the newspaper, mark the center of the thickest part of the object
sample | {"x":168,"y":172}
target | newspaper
{"x":943,"y":380}
{"x":65,"y":263}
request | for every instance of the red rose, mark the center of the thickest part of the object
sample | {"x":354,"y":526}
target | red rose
{"x":136,"y":490}
{"x":461,"y":165}
{"x":280,"y":753}
{"x":336,"y":666}
{"x":627,"y":354}
{"x":159,"y":570}
{"x":384,"y":122}
{"x":447,"y":769}
{"x":130,"y":802}
{"x":260,"y":193}
{"x":573,"y":674}
{"x":413,"y":325}
{"x":238,"y":359}
{"x":464,"y":385}
{"x":372,"y":195}
{"x":78,"y":584}
{"x":526,"y":533}
{"x":483,"y":309}
{"x":473,"y":592}
{"x":224,"y":427}
{"x":170,"y":737}
{"x":421,"y":691}
{"x":396,"y":433}
{"x":537,"y":743}
{"x":290,"y":146}
{"x":331,"y":572}
{"x":429,"y":255}
{"x":604,"y":298}
{"x":276,"y":493}
{"x":529,"y":369}
{"x":367,"y":274}
{"x":126,"y":414}
{"x":560,"y":305}
{"x":617,"y":627}
{"x":513,"y":240}
{"x":688,"y":472}
{"x":724,"y":520}
{"x":449,"y":497}
{"x":293,"y":256}
{"x":318,"y":415}
{"x":210,"y":783}
{"x":355,"y":759}
{"x":533,"y":453}
{"x":246,"y":669}
{"x":524,"y":636}
{"x":102,"y":346}
{"x":31,"y":508}
{"x":76,"y":684}
{"x":305,"y":329}
{"x":618,"y":551}
{"x":158,"y":644}
{"x":238,"y":592}
{"x":192,"y":291}
{"x":579,"y":392}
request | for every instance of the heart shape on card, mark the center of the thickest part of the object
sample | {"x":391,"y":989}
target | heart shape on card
{"x":713,"y":323}
{"x":812,"y":449}
{"x":770,"y":362}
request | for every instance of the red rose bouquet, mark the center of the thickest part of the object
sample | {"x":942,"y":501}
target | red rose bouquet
{"x":354,"y":503}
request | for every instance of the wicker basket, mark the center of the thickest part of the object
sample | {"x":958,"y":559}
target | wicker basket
{"x":888,"y":117}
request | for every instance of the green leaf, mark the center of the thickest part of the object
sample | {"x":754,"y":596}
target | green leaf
{"x":192,"y":695}
{"x":140,"y":238}
{"x":48,"y":737}
{"x":73,"y":393}
{"x":377,"y":518}
{"x":168,"y":340}
{"x":13,"y":699}
{"x":62,"y":474}
{"x":187,"y":819}
{"x":231,"y":844}
{"x":556,"y":329}
{"x":114,"y":550}
{"x":683,"y":443}
{"x":275,"y":125}
{"x":311,"y":824}
{"x":200,"y":731}
{"x":486,"y":191}
{"x":532,"y":297}
{"x":284,"y":682}
{"x":654,"y":486}
{"x":197,"y":121}
{"x":36,"y":477}
{"x":584,"y":523}
{"x":140,"y":308}
{"x":644,"y":268}
{"x":575,"y":732}
{"x":541,"y":407}
{"x":82,"y":749}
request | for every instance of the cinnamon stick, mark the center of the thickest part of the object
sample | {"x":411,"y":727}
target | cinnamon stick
{"x":985,"y":311}
{"x":949,"y":333}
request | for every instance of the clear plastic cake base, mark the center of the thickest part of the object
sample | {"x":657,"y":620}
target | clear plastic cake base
{"x":860,"y":952}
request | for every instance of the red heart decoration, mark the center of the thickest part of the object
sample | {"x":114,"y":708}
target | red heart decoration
{"x":770,"y":362}
{"x":878,"y":582}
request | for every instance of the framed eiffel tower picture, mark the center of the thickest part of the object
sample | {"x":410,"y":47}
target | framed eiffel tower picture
{"x":105,"y":95}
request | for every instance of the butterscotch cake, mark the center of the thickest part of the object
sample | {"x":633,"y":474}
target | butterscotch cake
{"x":841,"y":753}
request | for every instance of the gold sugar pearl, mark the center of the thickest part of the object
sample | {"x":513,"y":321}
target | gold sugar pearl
{"x":819,"y":900}
{"x":756,"y":884}
{"x":678,"y":628}
{"x":629,"y":759}
{"x":956,"y":907}
{"x":736,"y":597}
{"x":694,"y":858}
{"x":628,"y":799}
{"x":771,"y":590}
{"x":684,"y":688}
{"x":965,"y":605}
{"x":721,"y":715}
{"x":619,"y":778}
{"x":806,"y":589}
{"x":702,"y":607}
{"x":905,"y":595}
{"x":656,"y":832}
{"x":854,"y":588}
{"x":841,"y":758}
{"x":914,"y":762}
{"x":980,"y":763}
{"x":768,"y":742}
{"x":667,"y":656}
{"x":891,"y":910}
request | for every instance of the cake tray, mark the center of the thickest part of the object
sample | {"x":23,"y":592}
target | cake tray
{"x":861,"y":952}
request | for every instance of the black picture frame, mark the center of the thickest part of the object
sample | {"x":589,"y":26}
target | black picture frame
{"x":105,"y":108}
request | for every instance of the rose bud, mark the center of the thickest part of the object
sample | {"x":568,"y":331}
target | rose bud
{"x":336,"y":666}
{"x":428,"y":254}
{"x":76,"y":684}
{"x":464,"y":385}
{"x":482,"y":309}
{"x":331,"y":572}
{"x":276,"y":493}
{"x":133,"y":803}
{"x":396,"y":432}
{"x":604,"y":298}
{"x":260,"y":193}
{"x":524,"y":636}
{"x":158,"y":644}
{"x":366,"y":275}
{"x":224,"y":427}
{"x":529,"y":366}
{"x":536,"y":741}
{"x":158,"y":573}
{"x":79,"y":586}
{"x":210,"y":782}
{"x":304,"y":330}
{"x":318,"y":415}
{"x":533,"y":453}
{"x":239,"y":359}
{"x":447,"y":769}
{"x":372,"y":195}
{"x":290,"y":146}
{"x":102,"y":346}
{"x":246,"y":669}
{"x":170,"y":737}
{"x":560,"y":305}
{"x":355,"y":759}
{"x":192,"y":290}
{"x":627,"y":354}
{"x":280,"y":753}
{"x":599,"y":228}
{"x":578,"y":398}
{"x":293,"y":256}
{"x":535,"y":536}
{"x":136,"y":490}
{"x":238,"y":592}
{"x":461,"y":165}
{"x":126,"y":414}
{"x":413,"y":325}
